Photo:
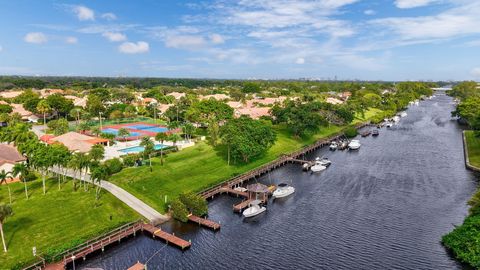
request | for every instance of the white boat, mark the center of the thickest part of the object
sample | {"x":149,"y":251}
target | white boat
{"x":333,"y":146}
{"x":254,"y":209}
{"x":318,"y":167}
{"x":416,"y":102}
{"x":323,"y":161}
{"x":283,"y":190}
{"x":241,"y":189}
{"x":402,"y":114}
{"x":354,"y":145}
{"x":396,"y":119}
{"x":389,"y":125}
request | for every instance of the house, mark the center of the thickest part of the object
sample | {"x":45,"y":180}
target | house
{"x":18,"y":108}
{"x":345,"y":95}
{"x":10,"y":94}
{"x":77,"y":101}
{"x":216,"y":97}
{"x":176,"y":95}
{"x":162,"y":108}
{"x":235,"y":104}
{"x":334,"y":101}
{"x":253,"y":112}
{"x":75,"y":141}
{"x":9,"y":156}
{"x":48,"y":92}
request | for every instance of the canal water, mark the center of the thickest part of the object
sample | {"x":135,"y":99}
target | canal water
{"x":385,"y":206}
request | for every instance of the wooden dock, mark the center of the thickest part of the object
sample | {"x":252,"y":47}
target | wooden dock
{"x":137,"y":266}
{"x":233,"y":191}
{"x":167,"y":237}
{"x":240,"y":206}
{"x":282,"y":160}
{"x":204,"y":222}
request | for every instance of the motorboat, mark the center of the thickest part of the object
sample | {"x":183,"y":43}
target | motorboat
{"x":402,"y":114}
{"x":254,"y":209}
{"x":283,"y":190}
{"x":318,"y":167}
{"x":366,"y":133}
{"x":375,"y":133}
{"x":389,"y":125}
{"x":416,"y":102}
{"x":241,"y":189}
{"x":333,"y":146}
{"x":354,"y":145}
{"x":396,"y":119}
{"x":323,"y":161}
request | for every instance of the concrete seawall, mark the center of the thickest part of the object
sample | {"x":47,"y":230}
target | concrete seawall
{"x":465,"y":152}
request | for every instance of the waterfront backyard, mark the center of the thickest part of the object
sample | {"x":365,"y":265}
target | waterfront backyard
{"x":57,"y":220}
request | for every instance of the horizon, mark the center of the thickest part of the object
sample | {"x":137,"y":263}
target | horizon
{"x":349,"y":40}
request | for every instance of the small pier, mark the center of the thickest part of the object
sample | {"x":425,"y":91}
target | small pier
{"x":240,"y":206}
{"x":137,"y":266}
{"x":306,"y":164}
{"x":234,"y":192}
{"x":167,"y":237}
{"x":204,"y":222}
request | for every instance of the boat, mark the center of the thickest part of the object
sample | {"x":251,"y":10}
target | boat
{"x":318,"y":167}
{"x":396,"y":119}
{"x":375,"y":133}
{"x":254,"y":209}
{"x":389,"y":125}
{"x":343,"y":145}
{"x":416,"y":102}
{"x":333,"y":146}
{"x":283,"y":190}
{"x":366,"y":133}
{"x":402,"y":114}
{"x":323,"y":161}
{"x":241,"y":189}
{"x":354,"y":145}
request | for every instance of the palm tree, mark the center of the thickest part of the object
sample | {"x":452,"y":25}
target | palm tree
{"x":21,"y":170}
{"x":174,"y":137}
{"x":99,"y":173}
{"x":97,"y":152}
{"x":84,"y":126}
{"x":188,"y":129}
{"x":75,"y":113}
{"x":5,"y":211}
{"x":43,"y":107}
{"x":3,"y":179}
{"x":161,"y":137}
{"x":124,"y":133}
{"x":148,"y":148}
{"x":96,"y":131}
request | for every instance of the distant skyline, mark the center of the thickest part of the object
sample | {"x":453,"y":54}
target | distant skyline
{"x":264,"y":39}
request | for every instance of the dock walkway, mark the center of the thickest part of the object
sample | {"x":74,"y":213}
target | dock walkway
{"x":169,"y":238}
{"x":204,"y":222}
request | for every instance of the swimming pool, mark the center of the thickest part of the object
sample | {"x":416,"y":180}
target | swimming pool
{"x":138,"y":149}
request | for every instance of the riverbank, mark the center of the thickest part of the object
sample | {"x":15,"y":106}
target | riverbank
{"x":463,"y":240}
{"x":55,"y":221}
{"x":472,"y":150}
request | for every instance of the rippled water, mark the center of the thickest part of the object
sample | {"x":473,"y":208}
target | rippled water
{"x":383,"y":207}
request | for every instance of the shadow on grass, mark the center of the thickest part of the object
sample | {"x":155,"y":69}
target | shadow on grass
{"x":21,"y":222}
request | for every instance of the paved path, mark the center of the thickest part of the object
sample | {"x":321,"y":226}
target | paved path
{"x":140,"y":207}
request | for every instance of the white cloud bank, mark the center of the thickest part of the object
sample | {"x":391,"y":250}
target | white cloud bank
{"x":300,"y":61}
{"x":475,"y":72}
{"x":71,"y":40}
{"x":114,"y":36}
{"x":109,"y":16}
{"x":189,"y":42}
{"x":35,"y":37}
{"x":84,"y":13}
{"x":412,"y":3}
{"x":134,"y":48}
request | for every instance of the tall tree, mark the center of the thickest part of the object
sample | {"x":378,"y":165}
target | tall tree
{"x":5,"y":212}
{"x":148,"y":148}
{"x":124,"y":133}
{"x":3,"y":180}
{"x":21,"y":170}
{"x":43,"y":107}
{"x":97,"y":152}
{"x":161,"y":137}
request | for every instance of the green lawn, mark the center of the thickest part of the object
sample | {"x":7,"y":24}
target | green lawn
{"x":197,"y":168}
{"x":56,"y":220}
{"x":473,"y":146}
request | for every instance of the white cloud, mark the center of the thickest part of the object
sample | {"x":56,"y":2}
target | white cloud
{"x":455,"y":22}
{"x":189,"y":42}
{"x":114,"y":36}
{"x":369,"y":12}
{"x":109,"y":16}
{"x":412,"y":3}
{"x":475,"y":72}
{"x":217,"y":39}
{"x":1,"y":48}
{"x":71,"y":40}
{"x":35,"y":37}
{"x":133,"y":48}
{"x":84,"y":13}
{"x":300,"y":61}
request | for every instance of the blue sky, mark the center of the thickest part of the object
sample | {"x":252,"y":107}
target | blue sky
{"x":349,"y":39}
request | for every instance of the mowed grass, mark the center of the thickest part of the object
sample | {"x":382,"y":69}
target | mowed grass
{"x":57,"y":220}
{"x":473,"y":146}
{"x":199,"y":167}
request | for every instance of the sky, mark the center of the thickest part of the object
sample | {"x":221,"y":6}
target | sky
{"x":243,"y":39}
